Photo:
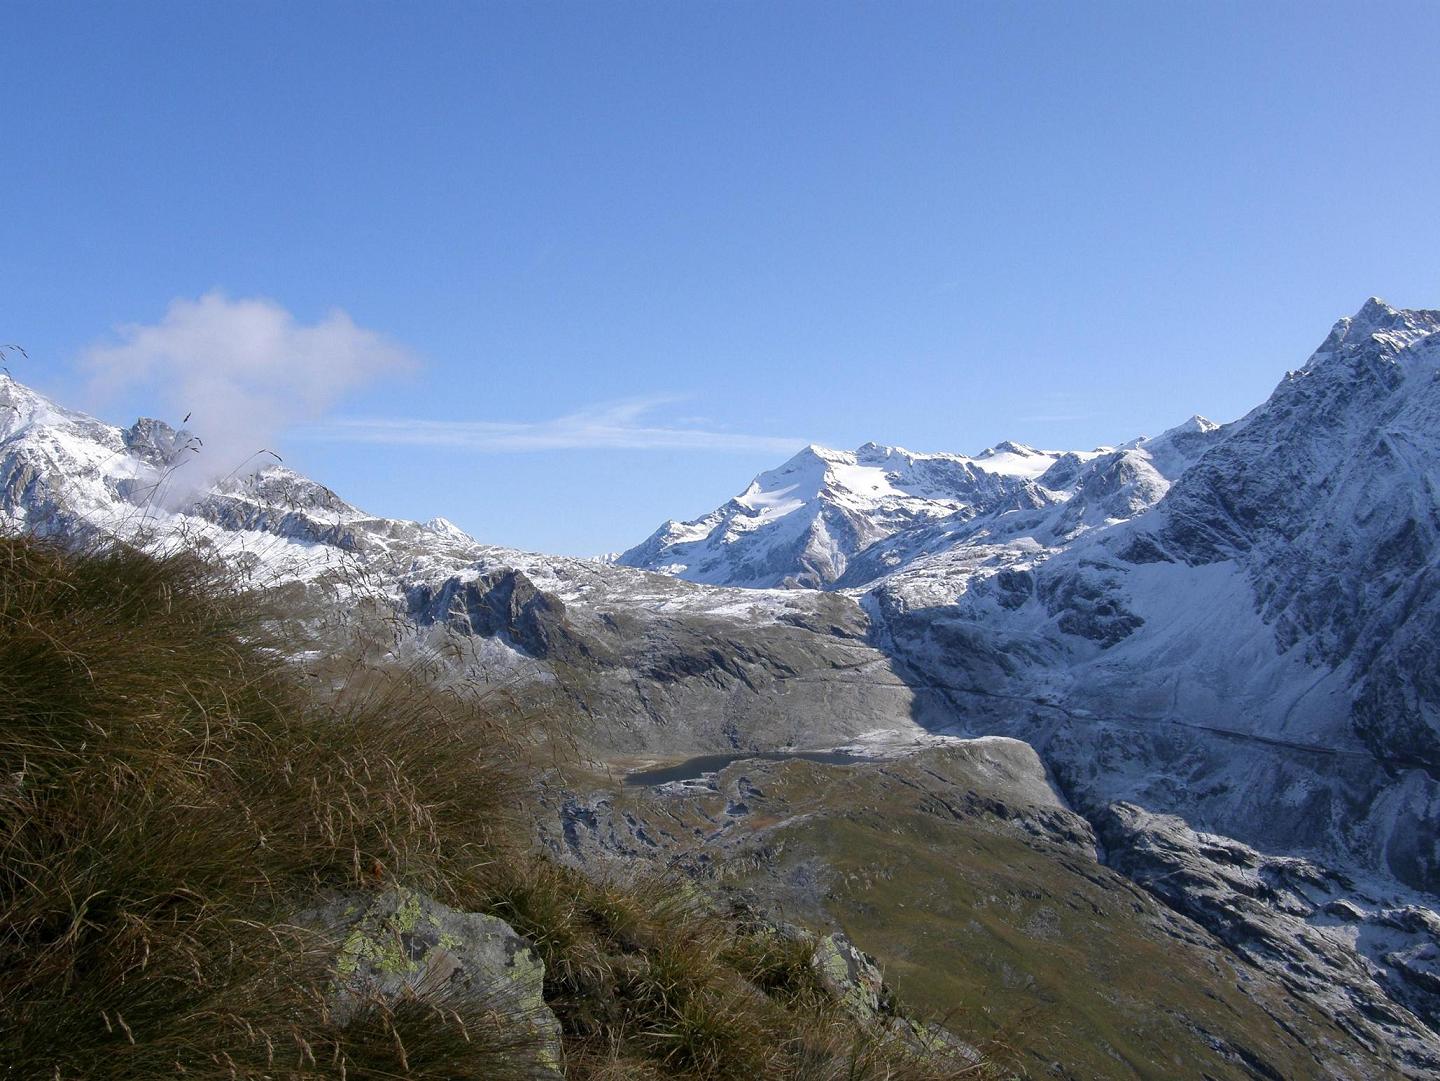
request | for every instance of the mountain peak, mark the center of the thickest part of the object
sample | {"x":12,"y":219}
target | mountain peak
{"x":873,"y":451}
{"x":1372,"y":310}
{"x":815,"y":452}
{"x":1007,"y":446}
{"x":1195,"y":423}
{"x":20,"y":399}
{"x":1375,"y":317}
{"x":446,"y":528}
{"x":1394,"y":328}
{"x":157,"y":442}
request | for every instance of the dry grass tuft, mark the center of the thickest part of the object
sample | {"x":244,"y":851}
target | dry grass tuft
{"x":174,"y":790}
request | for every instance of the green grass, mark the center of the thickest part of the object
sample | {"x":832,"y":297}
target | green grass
{"x":1032,"y":949}
{"x":174,"y":790}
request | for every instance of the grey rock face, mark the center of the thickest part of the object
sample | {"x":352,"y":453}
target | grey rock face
{"x":1323,"y":496}
{"x":506,"y":604}
{"x":156,"y":442}
{"x":790,"y":670}
{"x":854,"y":978}
{"x":1371,"y":965}
{"x":401,"y":943}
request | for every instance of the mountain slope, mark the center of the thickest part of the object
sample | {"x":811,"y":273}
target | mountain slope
{"x":1280,"y":593}
{"x":1329,"y":496}
{"x":1271,"y":581}
{"x":981,"y":889}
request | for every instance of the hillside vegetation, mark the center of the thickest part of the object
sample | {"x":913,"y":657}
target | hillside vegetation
{"x":175,"y":789}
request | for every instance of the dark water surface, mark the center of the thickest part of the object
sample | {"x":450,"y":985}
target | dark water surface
{"x":692,"y":768}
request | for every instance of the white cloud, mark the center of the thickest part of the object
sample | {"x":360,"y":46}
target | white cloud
{"x":246,"y":370}
{"x":615,"y":426}
{"x":243,"y":369}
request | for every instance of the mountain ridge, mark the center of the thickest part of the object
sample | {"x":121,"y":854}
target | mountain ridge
{"x":800,"y":524}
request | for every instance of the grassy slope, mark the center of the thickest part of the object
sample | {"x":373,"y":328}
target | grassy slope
{"x":976,"y":910}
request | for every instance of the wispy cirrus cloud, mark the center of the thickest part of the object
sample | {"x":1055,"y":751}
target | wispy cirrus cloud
{"x":622,"y":425}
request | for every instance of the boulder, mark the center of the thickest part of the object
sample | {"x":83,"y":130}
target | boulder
{"x":852,"y":976}
{"x":400,"y":943}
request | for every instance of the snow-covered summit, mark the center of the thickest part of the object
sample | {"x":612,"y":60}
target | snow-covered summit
{"x":1016,"y":459}
{"x":444,"y":527}
{"x":66,"y":474}
{"x":1393,"y":330}
{"x":801,"y":523}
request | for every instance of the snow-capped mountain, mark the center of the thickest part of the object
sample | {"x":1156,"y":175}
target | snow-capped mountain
{"x":1272,"y":581}
{"x":1079,"y":492}
{"x":67,"y":474}
{"x":653,"y":662}
{"x":802,"y":524}
{"x":1278,"y":593}
{"x":1236,"y":624}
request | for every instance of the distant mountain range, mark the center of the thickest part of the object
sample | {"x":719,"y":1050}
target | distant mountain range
{"x":1274,"y":579}
{"x":830,"y":518}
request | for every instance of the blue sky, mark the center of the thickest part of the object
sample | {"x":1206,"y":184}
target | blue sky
{"x":599,"y":263}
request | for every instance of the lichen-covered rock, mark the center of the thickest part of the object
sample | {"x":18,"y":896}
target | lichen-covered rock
{"x":928,"y":1038}
{"x":401,"y":943}
{"x":852,"y":976}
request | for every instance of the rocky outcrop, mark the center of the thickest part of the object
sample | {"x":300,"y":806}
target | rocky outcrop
{"x":853,"y":979}
{"x":1372,"y":963}
{"x":852,"y":976}
{"x":157,"y":443}
{"x":506,"y":604}
{"x":400,"y":944}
